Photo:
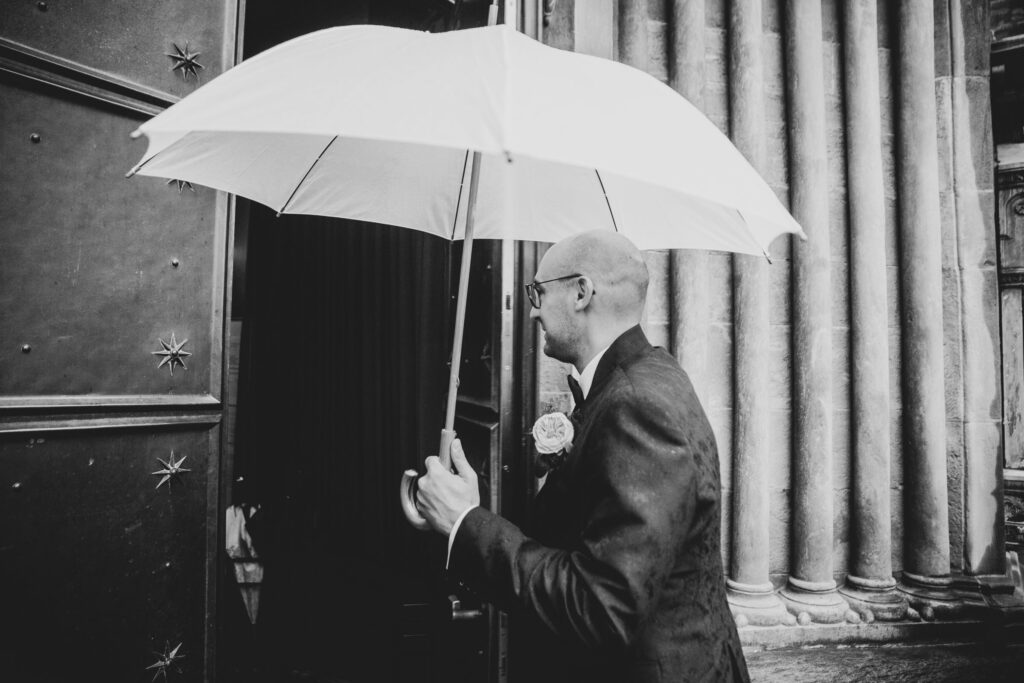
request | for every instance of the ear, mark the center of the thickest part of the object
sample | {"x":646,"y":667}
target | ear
{"x":584,"y":292}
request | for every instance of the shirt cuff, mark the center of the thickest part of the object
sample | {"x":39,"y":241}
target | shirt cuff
{"x":455,"y":530}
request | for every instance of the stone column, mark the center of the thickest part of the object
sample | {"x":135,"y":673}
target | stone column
{"x":810,"y":592}
{"x":926,"y":577}
{"x":689,"y":319}
{"x":870,"y":587}
{"x":633,"y":33}
{"x":751,"y":594}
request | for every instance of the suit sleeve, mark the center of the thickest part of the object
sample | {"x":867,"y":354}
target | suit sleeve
{"x":640,"y":489}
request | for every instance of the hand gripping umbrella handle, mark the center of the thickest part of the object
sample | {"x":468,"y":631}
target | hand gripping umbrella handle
{"x":410,"y":477}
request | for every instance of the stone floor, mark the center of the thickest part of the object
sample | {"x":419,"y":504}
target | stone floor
{"x":870,"y":663}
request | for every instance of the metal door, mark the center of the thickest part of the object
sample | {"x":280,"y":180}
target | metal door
{"x":112,"y":300}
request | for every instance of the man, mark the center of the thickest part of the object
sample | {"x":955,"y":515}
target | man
{"x":621,"y":576}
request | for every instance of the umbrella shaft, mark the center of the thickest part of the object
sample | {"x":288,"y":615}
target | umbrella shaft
{"x":460,"y":309}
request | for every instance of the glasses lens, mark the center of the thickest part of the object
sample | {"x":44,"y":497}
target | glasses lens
{"x":533,"y":294}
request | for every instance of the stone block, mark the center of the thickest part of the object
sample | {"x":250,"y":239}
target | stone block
{"x":983,"y":513}
{"x":657,"y":11}
{"x":776,"y":167}
{"x":716,"y":60}
{"x":718,"y":375}
{"x":886,"y":24}
{"x":841,"y":452}
{"x":982,"y":359}
{"x":726,"y":530}
{"x":832,"y":72}
{"x":895,"y":367}
{"x":657,"y":49}
{"x":889,"y":179}
{"x":658,"y":300}
{"x":778,"y":531}
{"x":721,"y":425}
{"x":896,"y":449}
{"x":955,"y":491}
{"x":952,"y":344}
{"x":772,"y":16}
{"x":943,"y":49}
{"x":841,"y":530}
{"x":886,"y":93}
{"x":839,"y":223}
{"x":782,"y":246}
{"x":976,"y":229}
{"x":780,"y":277}
{"x":972,"y":111}
{"x":944,"y":112}
{"x":831,"y":21}
{"x":896,"y":529}
{"x":947,"y":219}
{"x":840,"y":279}
{"x":780,"y":455}
{"x":716,"y":13}
{"x":773,"y":54}
{"x":840,"y":369}
{"x":720,"y":287}
{"x":976,"y":58}
{"x":780,"y":366}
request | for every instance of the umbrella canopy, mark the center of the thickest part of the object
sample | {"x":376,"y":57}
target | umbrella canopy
{"x":378,"y":124}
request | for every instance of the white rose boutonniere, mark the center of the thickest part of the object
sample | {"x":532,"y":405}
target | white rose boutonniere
{"x":552,"y":435}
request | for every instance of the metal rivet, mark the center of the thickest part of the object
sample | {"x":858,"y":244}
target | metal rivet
{"x":167,"y":565}
{"x":16,"y":485}
{"x":506,"y":469}
{"x":42,"y":6}
{"x":25,"y":348}
{"x":35,"y":137}
{"x":175,"y":262}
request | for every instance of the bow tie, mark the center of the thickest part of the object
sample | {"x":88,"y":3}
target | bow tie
{"x":577,"y":392}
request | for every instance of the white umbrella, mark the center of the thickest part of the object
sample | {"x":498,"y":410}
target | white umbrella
{"x":482,"y":132}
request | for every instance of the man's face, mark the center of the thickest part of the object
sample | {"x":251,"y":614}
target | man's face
{"x":557,"y":314}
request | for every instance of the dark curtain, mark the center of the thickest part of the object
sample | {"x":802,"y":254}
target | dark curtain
{"x":343,"y":374}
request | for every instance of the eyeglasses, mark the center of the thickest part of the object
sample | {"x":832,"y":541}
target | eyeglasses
{"x":533,"y":293}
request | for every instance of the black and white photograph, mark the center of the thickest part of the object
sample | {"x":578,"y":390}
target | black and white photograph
{"x":511,"y":341}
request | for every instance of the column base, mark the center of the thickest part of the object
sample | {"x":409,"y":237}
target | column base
{"x":756,"y":605}
{"x":875,"y":599}
{"x":931,"y":597}
{"x":1000,"y":592}
{"x":816,"y":602}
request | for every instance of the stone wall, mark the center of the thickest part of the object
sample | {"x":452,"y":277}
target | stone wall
{"x":970,"y":317}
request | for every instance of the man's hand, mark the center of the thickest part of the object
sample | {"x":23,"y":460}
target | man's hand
{"x":443,"y":496}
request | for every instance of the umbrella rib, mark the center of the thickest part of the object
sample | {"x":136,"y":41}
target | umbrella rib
{"x":458,"y":201}
{"x":306,"y":175}
{"x":607,"y":200}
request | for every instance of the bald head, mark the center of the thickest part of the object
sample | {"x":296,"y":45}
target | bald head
{"x":615,"y":265}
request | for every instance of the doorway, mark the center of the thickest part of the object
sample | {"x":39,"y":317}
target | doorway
{"x":344,"y":338}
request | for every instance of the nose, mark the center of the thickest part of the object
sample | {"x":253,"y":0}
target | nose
{"x":534,"y":312}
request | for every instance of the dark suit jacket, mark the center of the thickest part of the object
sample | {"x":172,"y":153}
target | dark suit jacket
{"x":621,"y":577}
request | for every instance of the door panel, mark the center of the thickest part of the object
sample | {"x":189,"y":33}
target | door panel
{"x":87,"y":274}
{"x":104,"y":573}
{"x":101,"y":566}
{"x":126,"y":38}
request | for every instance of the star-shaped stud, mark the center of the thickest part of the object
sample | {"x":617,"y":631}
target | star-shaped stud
{"x":172,"y":468}
{"x":185,"y":61}
{"x":182,"y":184}
{"x":172,"y":353}
{"x":165,"y":660}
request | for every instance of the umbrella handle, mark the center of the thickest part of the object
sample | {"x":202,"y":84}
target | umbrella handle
{"x":408,"y":487}
{"x":408,"y":499}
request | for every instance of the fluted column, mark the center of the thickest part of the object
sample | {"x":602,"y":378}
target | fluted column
{"x":870,"y":587}
{"x":926,"y":577}
{"x":810,"y":591}
{"x":633,"y":33}
{"x":751,"y":595}
{"x":689,"y":319}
